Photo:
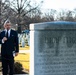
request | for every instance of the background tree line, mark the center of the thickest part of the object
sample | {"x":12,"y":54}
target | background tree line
{"x":23,"y":12}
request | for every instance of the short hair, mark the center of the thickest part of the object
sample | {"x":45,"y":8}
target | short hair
{"x":7,"y":21}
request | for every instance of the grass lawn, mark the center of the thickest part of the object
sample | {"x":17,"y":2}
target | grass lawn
{"x":23,"y":58}
{"x":24,"y":48}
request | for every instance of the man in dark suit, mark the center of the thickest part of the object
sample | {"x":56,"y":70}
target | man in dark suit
{"x":9,"y":48}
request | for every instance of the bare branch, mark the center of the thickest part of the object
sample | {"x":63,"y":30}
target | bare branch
{"x":18,"y":3}
{"x":24,"y":3}
{"x":30,"y":11}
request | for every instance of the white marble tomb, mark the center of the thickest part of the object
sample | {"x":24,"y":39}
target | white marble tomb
{"x":53,"y":48}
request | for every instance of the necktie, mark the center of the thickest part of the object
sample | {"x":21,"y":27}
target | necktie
{"x":7,"y":34}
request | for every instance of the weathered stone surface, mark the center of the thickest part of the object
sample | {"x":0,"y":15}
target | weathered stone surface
{"x":53,"y":48}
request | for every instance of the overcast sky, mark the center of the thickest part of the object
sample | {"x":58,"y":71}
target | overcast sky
{"x":58,"y":4}
{"x":70,"y":4}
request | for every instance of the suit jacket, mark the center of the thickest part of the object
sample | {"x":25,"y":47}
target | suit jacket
{"x":11,"y":44}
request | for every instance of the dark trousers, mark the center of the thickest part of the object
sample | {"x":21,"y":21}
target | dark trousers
{"x":7,"y":65}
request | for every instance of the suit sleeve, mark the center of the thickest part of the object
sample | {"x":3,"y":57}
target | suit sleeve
{"x":16,"y":43}
{"x":0,"y":38}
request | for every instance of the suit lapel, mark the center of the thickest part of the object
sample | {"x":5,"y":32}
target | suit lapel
{"x":11,"y":33}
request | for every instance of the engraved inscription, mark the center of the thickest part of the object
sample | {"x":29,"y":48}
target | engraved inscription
{"x":56,"y":53}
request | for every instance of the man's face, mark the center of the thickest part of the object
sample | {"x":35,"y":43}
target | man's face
{"x":7,"y":26}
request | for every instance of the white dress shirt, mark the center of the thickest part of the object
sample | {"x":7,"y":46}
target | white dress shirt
{"x":8,"y":32}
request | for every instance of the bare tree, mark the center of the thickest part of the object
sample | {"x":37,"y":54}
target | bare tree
{"x":69,"y":16}
{"x":49,"y":15}
{"x":0,"y":13}
{"x":74,"y":14}
{"x":22,"y":8}
{"x":6,"y":12}
{"x":61,"y":15}
{"x":65,"y":15}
